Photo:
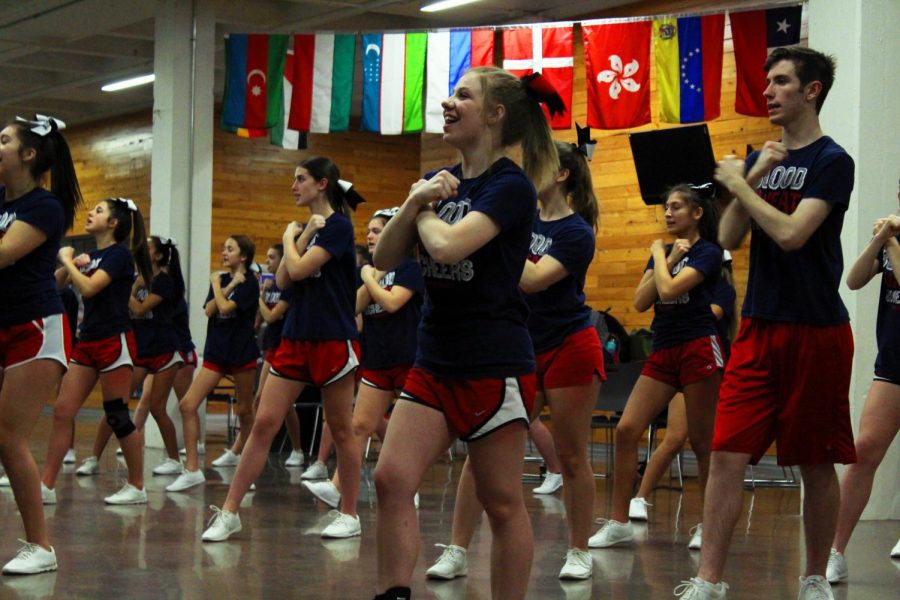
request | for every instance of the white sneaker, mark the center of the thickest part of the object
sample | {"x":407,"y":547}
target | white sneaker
{"x":89,"y":466}
{"x":699,"y":589}
{"x":452,"y":563}
{"x":551,"y":483}
{"x":201,"y":449}
{"x":228,"y":459}
{"x":579,"y":565}
{"x":324,"y":491}
{"x":815,"y":587}
{"x":837,"y":567}
{"x":611,"y":533}
{"x":343,"y":526}
{"x":31,"y":559}
{"x":127,"y":495}
{"x":637,"y":509}
{"x":295,"y":459}
{"x":416,"y":500}
{"x":187,"y":479}
{"x":169,"y":466}
{"x":317,"y":470}
{"x":48,"y":496}
{"x":696,"y":537}
{"x":4,"y":481}
{"x":69,"y":458}
{"x":222,"y":525}
{"x":895,"y":553}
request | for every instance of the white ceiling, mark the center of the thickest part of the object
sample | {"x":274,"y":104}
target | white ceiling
{"x":55,"y":54}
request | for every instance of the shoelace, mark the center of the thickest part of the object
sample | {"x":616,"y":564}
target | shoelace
{"x":217,"y":513}
{"x":644,"y":502}
{"x":689,"y":586}
{"x":125,"y":486}
{"x":694,"y":529}
{"x":447,"y":554}
{"x":819,"y":587}
{"x":27,"y":549}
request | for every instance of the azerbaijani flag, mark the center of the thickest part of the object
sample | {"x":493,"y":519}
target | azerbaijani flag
{"x":450,"y":54}
{"x":688,"y":54}
{"x":393,"y":81}
{"x":254,"y":74}
{"x":322,"y":82}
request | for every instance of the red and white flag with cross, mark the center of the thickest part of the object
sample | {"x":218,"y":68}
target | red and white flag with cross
{"x":548,"y":50}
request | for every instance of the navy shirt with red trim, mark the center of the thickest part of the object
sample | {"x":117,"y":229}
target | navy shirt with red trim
{"x":106,"y":312}
{"x":29,"y":291}
{"x":389,"y":339}
{"x":153,"y":331}
{"x":271,"y":297}
{"x":230,"y":339}
{"x":474,"y":317}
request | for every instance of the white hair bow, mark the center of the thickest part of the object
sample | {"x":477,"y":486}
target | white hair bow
{"x":42,"y":124}
{"x":129,"y":203}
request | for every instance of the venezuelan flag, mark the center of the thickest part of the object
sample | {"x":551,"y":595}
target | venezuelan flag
{"x":689,"y":67}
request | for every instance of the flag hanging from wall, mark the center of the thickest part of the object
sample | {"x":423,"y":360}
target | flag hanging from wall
{"x":754,"y":34}
{"x":617,"y":61}
{"x":688,"y":53}
{"x":322,"y":82}
{"x":547,"y":50}
{"x":254,"y":76}
{"x":393,"y":82}
{"x":450,"y":54}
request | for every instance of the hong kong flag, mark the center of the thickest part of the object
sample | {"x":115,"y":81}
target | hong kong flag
{"x":547,"y":50}
{"x":617,"y":58}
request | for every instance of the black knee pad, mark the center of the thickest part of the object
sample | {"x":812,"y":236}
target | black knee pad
{"x":117,"y":417}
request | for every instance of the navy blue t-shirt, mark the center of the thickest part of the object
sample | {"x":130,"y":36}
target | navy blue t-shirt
{"x":724,"y":296}
{"x":71,"y":306}
{"x":29,"y":291}
{"x":230,"y":339}
{"x":181,"y":325}
{"x":560,"y":311}
{"x":271,"y":297}
{"x":688,"y":317}
{"x":390,"y":338}
{"x":106,"y":313}
{"x":887,"y":326}
{"x":801,"y":286}
{"x":153,"y":332}
{"x":323,"y":306}
{"x":474,"y":318}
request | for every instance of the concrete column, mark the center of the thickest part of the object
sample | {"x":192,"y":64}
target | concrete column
{"x":861,"y":114}
{"x":181,"y":174}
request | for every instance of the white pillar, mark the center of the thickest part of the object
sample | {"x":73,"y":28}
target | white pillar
{"x":181,"y":172}
{"x":861,"y":114}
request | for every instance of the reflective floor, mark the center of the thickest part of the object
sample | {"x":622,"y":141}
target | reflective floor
{"x":154,"y":551}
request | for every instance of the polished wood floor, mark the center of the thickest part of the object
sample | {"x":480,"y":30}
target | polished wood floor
{"x":154,"y":551}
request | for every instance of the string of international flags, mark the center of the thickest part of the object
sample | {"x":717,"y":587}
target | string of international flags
{"x":283,"y":86}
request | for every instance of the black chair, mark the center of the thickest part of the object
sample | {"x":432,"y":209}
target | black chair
{"x":611,"y":402}
{"x":225,"y":392}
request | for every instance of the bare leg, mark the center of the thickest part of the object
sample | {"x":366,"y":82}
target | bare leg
{"x":543,"y":441}
{"x":467,"y":510}
{"x":725,"y":494}
{"x":117,"y":384}
{"x":416,"y":437}
{"x":668,"y":449}
{"x":205,"y":383}
{"x":23,"y":391}
{"x":326,"y":443}
{"x":243,"y":386}
{"x":76,"y":385}
{"x":337,"y":399}
{"x":371,"y":404}
{"x":701,"y":399}
{"x":821,"y":503}
{"x":143,"y":407}
{"x":159,"y":398}
{"x":878,"y":427}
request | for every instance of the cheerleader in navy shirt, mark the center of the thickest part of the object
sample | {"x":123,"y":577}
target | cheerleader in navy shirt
{"x":318,"y":345}
{"x":106,"y":346}
{"x":34,"y":335}
{"x":686,"y":355}
{"x":880,"y":418}
{"x":230,"y":350}
{"x":473,"y":377}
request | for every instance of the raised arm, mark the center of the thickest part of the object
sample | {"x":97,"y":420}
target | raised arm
{"x":20,"y":239}
{"x":537,"y":277}
{"x":867,"y":264}
{"x":647,"y":293}
{"x":139,"y":308}
{"x":390,"y":300}
{"x":88,"y":287}
{"x":220,"y":300}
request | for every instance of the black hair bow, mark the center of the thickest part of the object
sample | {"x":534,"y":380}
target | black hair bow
{"x":538,"y":87}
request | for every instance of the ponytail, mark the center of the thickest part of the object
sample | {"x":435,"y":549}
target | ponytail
{"x":171,"y":261}
{"x":579,"y":186}
{"x":130,"y":227}
{"x":524,"y":123}
{"x":51,"y":154}
{"x":341,"y":196}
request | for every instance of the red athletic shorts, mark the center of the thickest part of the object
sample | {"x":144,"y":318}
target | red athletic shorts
{"x":788,"y":382}
{"x":386,"y":379}
{"x":226,"y":368}
{"x":158,"y":363}
{"x":107,"y":354}
{"x":686,"y":363}
{"x":188,"y":358}
{"x":48,"y":337}
{"x":318,"y":363}
{"x":473,"y":407}
{"x":270,"y":354}
{"x":572,"y":363}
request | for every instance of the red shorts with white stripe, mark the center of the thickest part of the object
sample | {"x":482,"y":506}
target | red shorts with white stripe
{"x":158,"y":363}
{"x":572,"y":363}
{"x":228,"y":369}
{"x":188,"y":358}
{"x":686,"y":363}
{"x":317,"y":363}
{"x":386,"y":379}
{"x":107,"y":354}
{"x":473,"y":408}
{"x":788,"y":383}
{"x":46,"y":338}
